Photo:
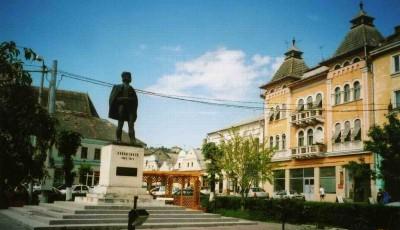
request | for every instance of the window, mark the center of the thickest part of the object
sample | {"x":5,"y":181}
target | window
{"x":179,"y":165}
{"x":97,"y":154}
{"x":396,"y":63}
{"x":309,"y":102}
{"x":346,"y":93}
{"x":318,"y":101}
{"x":397,"y":99}
{"x":279,"y":180}
{"x":271,"y":142}
{"x":192,"y":164}
{"x":277,"y":113}
{"x":277,"y":142}
{"x":187,"y":165}
{"x":297,"y":178}
{"x":301,"y":138}
{"x":271,"y":114}
{"x":327,"y":179}
{"x":337,"y":135}
{"x":355,"y":60}
{"x":337,"y":67}
{"x":84,"y":151}
{"x":337,"y":96}
{"x":357,"y":90}
{"x":319,"y":135}
{"x":357,"y":130}
{"x":347,"y":132}
{"x":346,"y":63}
{"x":300,"y":105}
{"x":310,"y":137}
{"x":283,"y":141}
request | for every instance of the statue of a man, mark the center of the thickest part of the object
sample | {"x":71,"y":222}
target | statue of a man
{"x":123,"y":106}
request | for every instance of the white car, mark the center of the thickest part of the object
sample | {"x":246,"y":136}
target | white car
{"x":78,"y":189}
{"x":158,"y":191}
{"x":284,"y":194}
{"x":257,"y":192}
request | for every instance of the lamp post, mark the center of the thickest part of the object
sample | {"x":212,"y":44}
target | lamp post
{"x":44,"y":70}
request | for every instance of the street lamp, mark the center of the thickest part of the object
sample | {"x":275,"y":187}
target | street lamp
{"x":44,"y":70}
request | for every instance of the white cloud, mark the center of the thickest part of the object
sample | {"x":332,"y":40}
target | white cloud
{"x":222,"y":73}
{"x":175,"y":49}
{"x":142,"y":46}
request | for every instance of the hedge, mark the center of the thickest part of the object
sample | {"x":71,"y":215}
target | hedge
{"x":348,"y":215}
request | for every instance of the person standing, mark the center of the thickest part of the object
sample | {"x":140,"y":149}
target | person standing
{"x":321,"y":193}
{"x":379,"y":196}
{"x":386,"y":197}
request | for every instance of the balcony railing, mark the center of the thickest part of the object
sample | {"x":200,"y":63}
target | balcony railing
{"x":307,"y":117}
{"x":309,"y":151}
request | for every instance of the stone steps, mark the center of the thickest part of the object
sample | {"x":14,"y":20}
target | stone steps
{"x":70,"y":215}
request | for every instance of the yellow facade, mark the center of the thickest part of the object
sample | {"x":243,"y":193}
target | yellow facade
{"x":330,"y":109}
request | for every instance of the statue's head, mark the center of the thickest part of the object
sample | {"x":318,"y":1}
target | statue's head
{"x":126,"y":77}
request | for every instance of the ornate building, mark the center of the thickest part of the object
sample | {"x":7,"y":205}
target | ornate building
{"x":317,"y":118}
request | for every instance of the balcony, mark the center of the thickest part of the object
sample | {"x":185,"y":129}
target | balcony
{"x":309,"y":151}
{"x":307,"y":117}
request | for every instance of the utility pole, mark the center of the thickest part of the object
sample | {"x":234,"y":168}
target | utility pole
{"x":52,"y":89}
{"x":48,"y":182}
{"x":44,"y":71}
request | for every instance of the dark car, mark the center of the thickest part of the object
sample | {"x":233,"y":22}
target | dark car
{"x":185,"y":192}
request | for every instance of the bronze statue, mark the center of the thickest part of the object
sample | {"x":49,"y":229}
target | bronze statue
{"x":123,"y":106}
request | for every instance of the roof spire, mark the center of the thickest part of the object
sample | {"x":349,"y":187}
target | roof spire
{"x":361,"y":6}
{"x":293,"y":42}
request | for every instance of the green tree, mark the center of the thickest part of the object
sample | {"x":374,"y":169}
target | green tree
{"x":26,"y":129}
{"x":83,"y":170}
{"x":361,"y":174}
{"x":385,"y":141}
{"x":248,"y":161}
{"x":213,"y":155}
{"x":67,"y":143}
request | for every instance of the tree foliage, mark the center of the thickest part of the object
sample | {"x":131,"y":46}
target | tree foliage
{"x":361,"y":175}
{"x":67,"y":143}
{"x":212,"y":155}
{"x":83,"y":170}
{"x":247,"y":161}
{"x":26,"y":129}
{"x":385,"y":141}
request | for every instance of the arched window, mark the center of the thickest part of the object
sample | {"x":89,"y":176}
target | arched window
{"x":309,"y":102}
{"x":346,"y":63}
{"x":271,"y":142}
{"x":300,"y":105}
{"x":318,"y":101}
{"x":283,"y":141}
{"x":346,"y":93}
{"x":337,"y":67}
{"x":357,"y":90}
{"x":179,"y":165}
{"x":347,"y":131}
{"x":310,"y":137}
{"x":355,"y":60}
{"x":357,"y":130}
{"x":301,"y":138}
{"x":337,"y":136}
{"x":277,"y":113}
{"x":277,"y":142}
{"x":188,"y":165}
{"x":283,"y":110}
{"x":192,"y":164}
{"x":284,"y":86}
{"x":271,"y":114}
{"x":319,"y":135}
{"x":337,"y":96}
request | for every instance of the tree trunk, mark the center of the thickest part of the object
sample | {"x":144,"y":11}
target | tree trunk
{"x":30,"y":192}
{"x":242,"y":200}
{"x":212,"y":187}
{"x":68,"y":194}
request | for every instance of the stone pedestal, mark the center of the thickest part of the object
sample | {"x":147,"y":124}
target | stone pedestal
{"x":121,"y":176}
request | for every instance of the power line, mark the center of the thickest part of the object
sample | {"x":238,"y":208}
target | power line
{"x":195,"y":99}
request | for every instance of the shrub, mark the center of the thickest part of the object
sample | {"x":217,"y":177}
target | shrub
{"x":348,"y":215}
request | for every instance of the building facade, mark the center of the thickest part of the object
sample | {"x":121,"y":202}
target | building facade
{"x":317,"y":118}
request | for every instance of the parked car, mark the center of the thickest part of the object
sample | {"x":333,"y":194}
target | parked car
{"x":292,"y":194}
{"x":185,"y":192}
{"x":158,"y":191}
{"x":257,"y":192}
{"x":78,"y":189}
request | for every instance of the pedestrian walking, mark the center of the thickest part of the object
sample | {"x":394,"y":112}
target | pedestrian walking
{"x":321,"y":193}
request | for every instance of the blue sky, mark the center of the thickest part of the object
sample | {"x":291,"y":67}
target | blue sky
{"x":218,"y":49}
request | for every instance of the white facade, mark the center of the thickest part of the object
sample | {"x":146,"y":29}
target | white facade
{"x":150,"y":163}
{"x":191,"y":160}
